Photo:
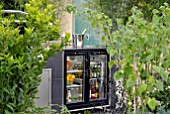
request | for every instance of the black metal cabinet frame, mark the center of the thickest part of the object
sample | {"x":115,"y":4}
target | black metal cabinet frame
{"x":86,"y":53}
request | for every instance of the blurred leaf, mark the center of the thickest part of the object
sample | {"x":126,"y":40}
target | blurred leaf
{"x":10,"y":107}
{"x":152,"y":80}
{"x":150,"y":88}
{"x":160,"y":85}
{"x":70,"y":8}
{"x":111,"y":63}
{"x":142,"y":88}
{"x":112,"y":52}
{"x":109,"y":22}
{"x":117,"y":76}
{"x":6,"y":90}
{"x":130,"y":82}
{"x":7,"y":112}
{"x":151,"y":103}
{"x":167,"y":20}
{"x":162,"y":72}
{"x":156,"y":19}
{"x":99,"y":16}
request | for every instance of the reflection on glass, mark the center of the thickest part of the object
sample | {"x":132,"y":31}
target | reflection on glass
{"x":74,"y":78}
{"x":98,"y":77}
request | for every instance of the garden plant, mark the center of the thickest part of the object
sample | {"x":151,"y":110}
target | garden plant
{"x":23,"y":55}
{"x":141,"y":53}
{"x":122,"y":8}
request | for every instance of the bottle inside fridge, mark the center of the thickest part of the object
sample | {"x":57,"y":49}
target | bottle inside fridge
{"x":74,"y":77}
{"x":98,"y":78}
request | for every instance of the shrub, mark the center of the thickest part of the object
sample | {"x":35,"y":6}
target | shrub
{"x":22,"y":56}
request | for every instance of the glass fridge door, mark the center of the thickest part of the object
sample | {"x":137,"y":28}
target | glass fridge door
{"x":74,"y":78}
{"x":98,"y":77}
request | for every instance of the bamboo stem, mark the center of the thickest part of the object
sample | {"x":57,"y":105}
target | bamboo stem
{"x":134,"y":89}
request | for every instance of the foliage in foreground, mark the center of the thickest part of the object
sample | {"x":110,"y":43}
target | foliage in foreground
{"x":23,"y":54}
{"x":122,"y":8}
{"x":141,"y":53}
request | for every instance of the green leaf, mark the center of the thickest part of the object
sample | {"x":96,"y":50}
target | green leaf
{"x":117,"y":76}
{"x":152,"y":80}
{"x":160,"y":85}
{"x":149,"y":57}
{"x":110,"y":22}
{"x":93,"y":24}
{"x":9,"y":106}
{"x":6,"y":90}
{"x":67,"y":35}
{"x":119,"y":22}
{"x":70,"y":8}
{"x":156,"y":19}
{"x":166,"y":4}
{"x":29,"y":30}
{"x":161,"y":71}
{"x":130,"y":82}
{"x":7,"y":112}
{"x":111,"y":63}
{"x":14,"y":87}
{"x":1,"y":58}
{"x":99,"y":16}
{"x":12,"y":104}
{"x":156,"y":68}
{"x":151,"y":103}
{"x":112,"y":52}
{"x":142,"y":88}
{"x":166,"y":63}
{"x":167,"y":20}
{"x":104,"y":38}
{"x":150,"y":88}
{"x":164,"y":75}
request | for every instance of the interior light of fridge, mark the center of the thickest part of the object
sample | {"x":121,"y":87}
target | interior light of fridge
{"x":102,"y":73}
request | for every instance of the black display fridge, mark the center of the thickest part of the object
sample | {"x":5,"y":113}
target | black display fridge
{"x":85,"y":78}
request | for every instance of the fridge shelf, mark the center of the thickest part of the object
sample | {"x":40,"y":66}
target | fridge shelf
{"x":94,"y":63}
{"x":93,"y":78}
{"x":74,"y":101}
{"x":73,"y":86}
{"x":74,"y":71}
